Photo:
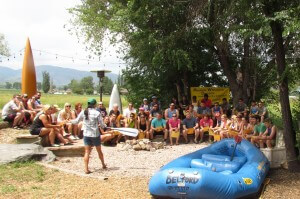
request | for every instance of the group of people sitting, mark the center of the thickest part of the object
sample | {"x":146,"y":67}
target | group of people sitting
{"x":183,"y":118}
{"x":180,"y":118}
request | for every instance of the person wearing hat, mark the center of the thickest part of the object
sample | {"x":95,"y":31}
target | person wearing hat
{"x":92,"y":119}
{"x":12,"y":111}
{"x":145,"y":105}
{"x":155,"y":101}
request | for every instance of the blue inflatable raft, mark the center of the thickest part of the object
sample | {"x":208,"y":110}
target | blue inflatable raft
{"x":209,"y":173}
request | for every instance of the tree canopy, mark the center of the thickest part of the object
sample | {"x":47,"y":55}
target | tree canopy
{"x":171,"y":45}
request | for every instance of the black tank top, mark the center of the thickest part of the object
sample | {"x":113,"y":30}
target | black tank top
{"x":37,"y":123}
{"x":143,"y":126}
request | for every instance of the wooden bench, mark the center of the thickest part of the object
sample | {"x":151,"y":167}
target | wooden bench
{"x":276,"y":155}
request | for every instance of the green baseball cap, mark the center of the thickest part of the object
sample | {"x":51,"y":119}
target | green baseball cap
{"x":92,"y":101}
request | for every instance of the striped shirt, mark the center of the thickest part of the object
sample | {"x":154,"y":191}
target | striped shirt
{"x":90,"y":126}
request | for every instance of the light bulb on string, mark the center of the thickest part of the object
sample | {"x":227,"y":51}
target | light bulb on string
{"x":14,"y":56}
{"x":56,"y":56}
{"x":72,"y":59}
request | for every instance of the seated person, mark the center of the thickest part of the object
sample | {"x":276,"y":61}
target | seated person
{"x":32,"y":105}
{"x":202,"y":110}
{"x":249,"y":131}
{"x":223,"y":127}
{"x":77,"y":127}
{"x":155,"y":101}
{"x":145,"y":105}
{"x":67,"y":114}
{"x":170,"y":111}
{"x":235,"y":126}
{"x":154,"y":111}
{"x":240,"y":108}
{"x":106,"y":133}
{"x":190,"y":109}
{"x":226,"y":107}
{"x":246,"y":128}
{"x":115,"y":110}
{"x":253,"y":108}
{"x":131,"y":122}
{"x":262,"y":111}
{"x":268,"y":137}
{"x":143,"y":112}
{"x":206,"y":101}
{"x":28,"y":114}
{"x":42,"y":126}
{"x":101,"y":109}
{"x":143,"y":126}
{"x":158,"y":126}
{"x":190,"y":126}
{"x":216,"y":113}
{"x":12,"y":112}
{"x":206,"y":124}
{"x":129,"y":110}
{"x":174,"y":129}
{"x":115,"y":123}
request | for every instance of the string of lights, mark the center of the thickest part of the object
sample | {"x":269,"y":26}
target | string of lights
{"x":58,"y":56}
{"x":92,"y":60}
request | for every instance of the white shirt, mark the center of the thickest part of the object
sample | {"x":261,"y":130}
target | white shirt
{"x":127,"y":112}
{"x":9,"y":108}
{"x":90,"y":126}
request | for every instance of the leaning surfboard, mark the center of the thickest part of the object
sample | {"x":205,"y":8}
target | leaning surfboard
{"x":115,"y":98}
{"x":210,"y":173}
{"x":28,"y":72}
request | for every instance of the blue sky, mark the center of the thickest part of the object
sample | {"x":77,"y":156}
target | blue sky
{"x":43,"y":22}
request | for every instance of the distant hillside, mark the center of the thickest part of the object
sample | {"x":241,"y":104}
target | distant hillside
{"x":60,"y":76}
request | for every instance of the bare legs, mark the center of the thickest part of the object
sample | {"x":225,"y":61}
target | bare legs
{"x":86,"y":158}
{"x":18,"y":119}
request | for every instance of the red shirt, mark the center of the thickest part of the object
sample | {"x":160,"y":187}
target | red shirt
{"x":174,"y":123}
{"x":207,"y":102}
{"x":206,"y":123}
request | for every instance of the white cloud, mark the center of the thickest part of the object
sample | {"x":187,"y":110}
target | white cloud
{"x":42,"y":21}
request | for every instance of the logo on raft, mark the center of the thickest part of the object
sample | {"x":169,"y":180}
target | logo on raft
{"x":177,"y":179}
{"x":248,"y":181}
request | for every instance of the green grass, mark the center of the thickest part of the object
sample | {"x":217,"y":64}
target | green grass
{"x":60,"y":100}
{"x":19,"y":172}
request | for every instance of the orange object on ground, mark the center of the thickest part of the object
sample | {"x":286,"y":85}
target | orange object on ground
{"x":28,"y":72}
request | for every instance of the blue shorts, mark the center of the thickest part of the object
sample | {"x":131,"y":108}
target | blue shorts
{"x":91,"y":141}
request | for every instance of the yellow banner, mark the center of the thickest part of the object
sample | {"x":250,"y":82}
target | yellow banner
{"x":215,"y":94}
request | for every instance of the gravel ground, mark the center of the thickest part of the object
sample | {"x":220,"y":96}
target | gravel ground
{"x":129,"y":173}
{"x":128,"y":163}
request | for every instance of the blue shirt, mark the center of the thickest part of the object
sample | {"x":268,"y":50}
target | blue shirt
{"x":158,"y":123}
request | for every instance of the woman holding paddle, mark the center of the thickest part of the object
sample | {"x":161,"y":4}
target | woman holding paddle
{"x":92,"y":119}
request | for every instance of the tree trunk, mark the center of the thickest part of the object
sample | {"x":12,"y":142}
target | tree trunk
{"x":223,"y":56}
{"x":289,"y":133}
{"x":246,"y":71}
{"x":177,"y":84}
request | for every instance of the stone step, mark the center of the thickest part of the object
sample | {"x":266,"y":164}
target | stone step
{"x":75,"y":150}
{"x":28,"y":139}
{"x":4,"y":125}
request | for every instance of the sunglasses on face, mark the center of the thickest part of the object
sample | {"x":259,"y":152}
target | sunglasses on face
{"x":68,"y":106}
